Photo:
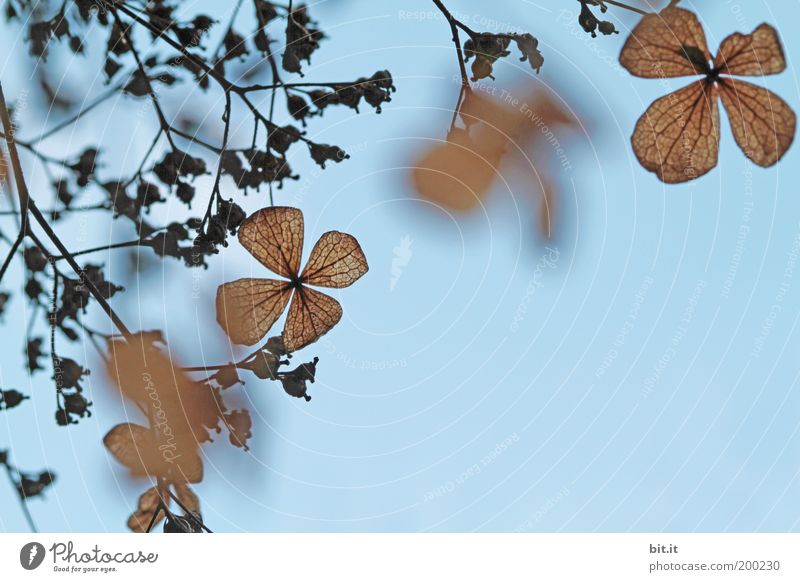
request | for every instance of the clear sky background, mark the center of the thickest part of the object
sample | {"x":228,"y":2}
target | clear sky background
{"x":637,"y":374}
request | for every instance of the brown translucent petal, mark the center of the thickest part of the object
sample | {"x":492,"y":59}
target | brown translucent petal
{"x":137,"y":448}
{"x":148,"y":503}
{"x":311,"y":315}
{"x":187,"y":469}
{"x":336,"y":261}
{"x":533,"y":112}
{"x":274,"y":236}
{"x":178,"y":410}
{"x":247,"y":308}
{"x":757,"y":53}
{"x":187,"y":497}
{"x":670,"y":43}
{"x":133,"y":446}
{"x":678,"y":135}
{"x":763,"y":124}
{"x":490,"y":112}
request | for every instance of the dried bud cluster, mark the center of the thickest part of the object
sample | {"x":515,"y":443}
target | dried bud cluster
{"x":265,"y":364}
{"x":301,"y":40}
{"x":182,"y":151}
{"x":375,"y":90}
{"x":487,"y":47}
{"x":27,"y":484}
{"x":71,"y":401}
{"x":590,"y":23}
{"x":11,"y":398}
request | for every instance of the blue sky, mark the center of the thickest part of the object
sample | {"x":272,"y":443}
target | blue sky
{"x":638,"y":373}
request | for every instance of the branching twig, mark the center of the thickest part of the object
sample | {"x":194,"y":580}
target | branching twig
{"x":28,"y":206}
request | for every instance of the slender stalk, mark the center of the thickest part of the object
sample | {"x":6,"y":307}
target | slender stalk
{"x":188,"y":513}
{"x":627,"y":7}
{"x":12,"y":251}
{"x":119,"y":245}
{"x":454,"y":25}
{"x":28,"y":206}
{"x":23,"y":501}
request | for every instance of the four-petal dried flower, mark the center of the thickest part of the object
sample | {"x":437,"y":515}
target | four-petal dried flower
{"x":678,"y":136}
{"x":247,"y":308}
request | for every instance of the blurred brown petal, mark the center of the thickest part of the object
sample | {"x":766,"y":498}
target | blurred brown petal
{"x":187,"y":497}
{"x":459,"y":173}
{"x":148,"y":503}
{"x":456,"y":174}
{"x":133,"y":446}
{"x":178,"y":411}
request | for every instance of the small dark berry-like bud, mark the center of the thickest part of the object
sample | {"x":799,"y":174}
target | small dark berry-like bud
{"x":481,"y":68}
{"x":35,"y":259}
{"x":607,"y":27}
{"x":322,"y":153}
{"x":10,"y":398}
{"x":227,"y":376}
{"x":63,"y":418}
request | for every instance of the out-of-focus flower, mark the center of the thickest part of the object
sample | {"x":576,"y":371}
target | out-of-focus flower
{"x":518,"y":133}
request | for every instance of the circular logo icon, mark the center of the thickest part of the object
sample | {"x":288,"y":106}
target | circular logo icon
{"x":31,"y":555}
